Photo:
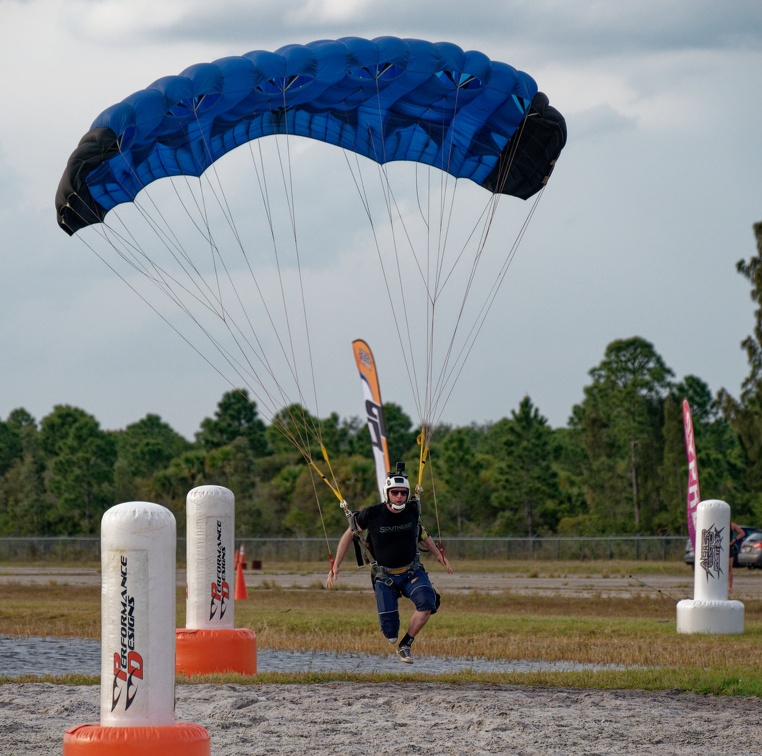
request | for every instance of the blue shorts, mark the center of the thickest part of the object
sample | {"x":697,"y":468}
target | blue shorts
{"x":414,"y":585}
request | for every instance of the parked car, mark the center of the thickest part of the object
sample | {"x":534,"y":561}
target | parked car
{"x":750,"y":553}
{"x":690,"y":558}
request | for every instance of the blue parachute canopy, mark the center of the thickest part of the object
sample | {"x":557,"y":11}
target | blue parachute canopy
{"x":387,"y":99}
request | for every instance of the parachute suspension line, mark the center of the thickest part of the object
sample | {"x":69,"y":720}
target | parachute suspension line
{"x":320,"y":512}
{"x":437,"y":390}
{"x":445,"y":179}
{"x":297,"y":252}
{"x":433,"y":287}
{"x":422,"y":401}
{"x":288,"y":353}
{"x":410,"y":364}
{"x":445,"y":220}
{"x":425,"y":215}
{"x":236,"y":334}
{"x":227,"y":213}
{"x":225,"y":315}
{"x":391,"y":207}
{"x":485,"y":225}
{"x":261,"y":178}
{"x":162,"y":230}
{"x":440,"y":545}
{"x":468,"y":345}
{"x":300,"y":429}
{"x":423,"y":443}
{"x":334,"y":486}
{"x":168,"y":284}
{"x":163,"y":280}
{"x":433,"y":282}
{"x":151,"y":305}
{"x":204,"y":232}
{"x":214,"y":251}
{"x":364,"y":199}
{"x":287,"y":182}
{"x":446,"y":205}
{"x":381,"y":161}
{"x":201,"y":207}
{"x":226,"y":356}
{"x":292,"y":363}
{"x":432,"y":299}
{"x":160,"y":278}
{"x":431,"y":294}
{"x":357,"y":177}
{"x":452,"y":373}
{"x":401,"y":322}
{"x":447,"y":200}
{"x":102,"y":229}
{"x":423,"y":440}
{"x":426,"y":404}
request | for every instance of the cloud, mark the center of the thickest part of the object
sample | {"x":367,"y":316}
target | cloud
{"x":595,"y":28}
{"x":599,"y":120}
{"x":638,"y":232}
{"x":12,"y":189}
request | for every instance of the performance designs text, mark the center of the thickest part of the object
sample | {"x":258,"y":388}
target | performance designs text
{"x":220,"y":588}
{"x":128,"y":663}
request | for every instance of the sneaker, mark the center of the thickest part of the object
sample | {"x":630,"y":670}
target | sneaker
{"x":392,"y":640}
{"x":404,"y":654}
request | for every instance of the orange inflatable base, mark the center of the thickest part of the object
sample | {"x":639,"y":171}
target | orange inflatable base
{"x":205,"y":652}
{"x":179,"y":739}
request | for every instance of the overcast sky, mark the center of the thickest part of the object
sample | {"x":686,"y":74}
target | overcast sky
{"x":638,"y":233}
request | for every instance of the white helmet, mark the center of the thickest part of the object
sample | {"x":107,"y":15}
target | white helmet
{"x":396,"y":480}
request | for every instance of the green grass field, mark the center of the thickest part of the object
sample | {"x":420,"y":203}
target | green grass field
{"x":637,"y":633}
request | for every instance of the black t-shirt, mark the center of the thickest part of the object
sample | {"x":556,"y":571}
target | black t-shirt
{"x":393,"y":536}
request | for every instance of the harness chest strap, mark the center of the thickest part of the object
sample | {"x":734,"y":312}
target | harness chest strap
{"x":381,"y":570}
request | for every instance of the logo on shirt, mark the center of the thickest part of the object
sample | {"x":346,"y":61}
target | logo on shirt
{"x":395,"y":528}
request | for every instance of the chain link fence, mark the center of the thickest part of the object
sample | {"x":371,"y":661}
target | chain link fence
{"x":266,"y":551}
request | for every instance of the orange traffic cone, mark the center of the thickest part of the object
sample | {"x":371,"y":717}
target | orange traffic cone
{"x":240,"y":582}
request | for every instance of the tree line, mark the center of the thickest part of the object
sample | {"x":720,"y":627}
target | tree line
{"x":618,"y":467}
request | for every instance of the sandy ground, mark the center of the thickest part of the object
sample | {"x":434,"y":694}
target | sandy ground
{"x":397,"y":718}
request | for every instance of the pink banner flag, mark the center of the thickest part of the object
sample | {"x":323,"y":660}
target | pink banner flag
{"x":694,"y":495}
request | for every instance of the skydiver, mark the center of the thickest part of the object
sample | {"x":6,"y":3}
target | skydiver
{"x":395,"y":534}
